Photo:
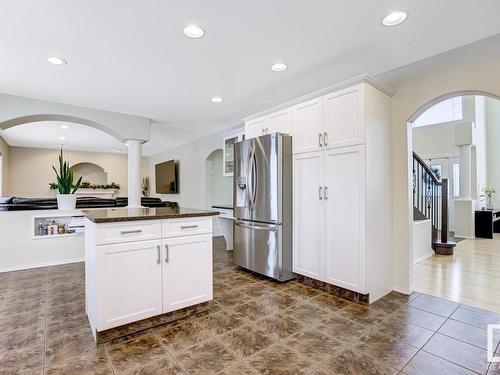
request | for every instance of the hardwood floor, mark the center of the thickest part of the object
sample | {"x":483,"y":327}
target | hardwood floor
{"x":471,"y":276}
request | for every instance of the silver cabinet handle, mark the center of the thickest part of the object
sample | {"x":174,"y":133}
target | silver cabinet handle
{"x":189,"y":226}
{"x":326,"y":192}
{"x":158,"y":260}
{"x":130,"y":231}
{"x":320,"y":192}
{"x":263,"y":131}
{"x":325,"y":139}
{"x":320,"y":139}
{"x":167,"y":256}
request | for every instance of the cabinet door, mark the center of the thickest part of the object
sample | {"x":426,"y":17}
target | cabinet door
{"x":344,"y":117}
{"x":307,"y":126}
{"x":279,"y":122}
{"x":345,"y":217}
{"x":187,"y":271}
{"x":255,"y":128}
{"x":128,"y":282}
{"x":308,"y":215}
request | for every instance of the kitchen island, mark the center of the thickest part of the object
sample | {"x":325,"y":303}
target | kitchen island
{"x":145,"y":262}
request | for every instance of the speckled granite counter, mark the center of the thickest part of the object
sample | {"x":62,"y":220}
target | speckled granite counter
{"x":133,"y":214}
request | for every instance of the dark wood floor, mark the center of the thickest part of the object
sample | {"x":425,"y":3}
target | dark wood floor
{"x":254,"y":326}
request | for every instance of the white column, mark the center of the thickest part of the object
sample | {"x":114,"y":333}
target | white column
{"x":465,"y":170}
{"x":134,"y":173}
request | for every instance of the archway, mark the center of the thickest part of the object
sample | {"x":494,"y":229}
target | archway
{"x":455,"y":148}
{"x":63,"y":118}
{"x":90,"y":172}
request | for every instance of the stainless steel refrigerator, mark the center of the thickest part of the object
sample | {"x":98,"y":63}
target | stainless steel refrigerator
{"x":263,"y":205}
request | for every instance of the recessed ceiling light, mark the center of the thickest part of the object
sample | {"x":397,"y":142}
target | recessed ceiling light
{"x":394,"y":18}
{"x":194,"y":31}
{"x":62,"y":137}
{"x":279,"y":67}
{"x":217,"y":99}
{"x":64,"y":127}
{"x":57,"y":60}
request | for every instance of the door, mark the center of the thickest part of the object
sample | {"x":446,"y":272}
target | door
{"x":345,"y":217}
{"x":308,"y":215}
{"x":255,"y":128}
{"x":257,"y":247}
{"x":187,"y":271}
{"x":344,"y":118}
{"x":258,"y":183}
{"x":279,"y":122}
{"x":129,"y":282}
{"x":307,"y":126}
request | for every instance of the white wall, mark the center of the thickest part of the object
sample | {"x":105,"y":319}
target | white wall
{"x":473,"y":68}
{"x":435,"y":140}
{"x":4,"y":150}
{"x":30,"y":169}
{"x":192,"y":168}
{"x":492,"y":112}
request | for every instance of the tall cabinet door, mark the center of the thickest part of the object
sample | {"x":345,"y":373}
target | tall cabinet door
{"x":129,"y":282}
{"x":255,"y":128}
{"x":308,"y":215}
{"x":307,"y":126}
{"x":187,"y":271}
{"x":345,"y":217}
{"x":344,"y":117}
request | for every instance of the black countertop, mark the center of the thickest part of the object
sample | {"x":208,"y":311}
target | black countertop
{"x":133,"y":214}
{"x":223,"y":206}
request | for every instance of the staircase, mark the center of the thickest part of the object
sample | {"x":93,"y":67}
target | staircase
{"x":430,"y":201}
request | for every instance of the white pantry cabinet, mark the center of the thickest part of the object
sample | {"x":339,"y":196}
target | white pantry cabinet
{"x":308,"y":215}
{"x":256,"y":127}
{"x":129,"y":278}
{"x":275,"y":122}
{"x":307,"y":126}
{"x":187,"y":272}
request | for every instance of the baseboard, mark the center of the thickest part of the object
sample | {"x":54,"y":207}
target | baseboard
{"x":403,"y":290}
{"x":39,"y":265}
{"x":422,"y":258}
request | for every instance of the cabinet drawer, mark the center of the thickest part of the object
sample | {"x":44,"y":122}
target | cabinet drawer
{"x":186,"y":227}
{"x":128,"y":232}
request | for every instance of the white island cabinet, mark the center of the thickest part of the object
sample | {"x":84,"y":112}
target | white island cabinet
{"x":142,"y":268}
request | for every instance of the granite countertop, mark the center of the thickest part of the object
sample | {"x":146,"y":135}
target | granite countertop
{"x":132,"y":214}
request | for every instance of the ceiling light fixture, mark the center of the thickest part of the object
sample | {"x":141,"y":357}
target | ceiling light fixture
{"x":279,"y":67}
{"x":217,"y":99}
{"x":64,"y":127}
{"x":57,"y":60}
{"x":62,"y":137}
{"x":193,"y":31}
{"x":394,"y":18}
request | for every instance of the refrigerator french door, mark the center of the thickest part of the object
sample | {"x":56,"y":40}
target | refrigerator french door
{"x":263,"y":205}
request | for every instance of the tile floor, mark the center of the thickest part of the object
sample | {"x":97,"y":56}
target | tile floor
{"x":254,"y":326}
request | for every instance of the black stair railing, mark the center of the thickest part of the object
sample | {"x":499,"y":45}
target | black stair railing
{"x":426,"y":193}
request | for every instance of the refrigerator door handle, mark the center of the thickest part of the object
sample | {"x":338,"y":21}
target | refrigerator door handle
{"x":250,"y":183}
{"x":255,"y":227}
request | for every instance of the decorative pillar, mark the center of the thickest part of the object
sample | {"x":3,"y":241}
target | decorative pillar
{"x":465,"y":155}
{"x":134,"y":173}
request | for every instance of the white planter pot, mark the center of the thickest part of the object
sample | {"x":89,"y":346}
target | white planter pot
{"x":66,"y":201}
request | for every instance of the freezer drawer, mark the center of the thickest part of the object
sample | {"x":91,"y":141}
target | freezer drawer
{"x":259,"y":247}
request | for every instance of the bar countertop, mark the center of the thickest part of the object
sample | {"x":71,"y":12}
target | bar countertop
{"x":112,"y":215}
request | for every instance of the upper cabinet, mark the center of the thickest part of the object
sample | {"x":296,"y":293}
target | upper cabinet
{"x":333,"y":120}
{"x":344,"y":118}
{"x":307,"y":126}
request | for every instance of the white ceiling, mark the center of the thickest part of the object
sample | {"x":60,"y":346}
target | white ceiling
{"x":131,"y":56}
{"x":45,"y":134}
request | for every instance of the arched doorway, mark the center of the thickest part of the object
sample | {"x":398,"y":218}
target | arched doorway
{"x":457,"y":136}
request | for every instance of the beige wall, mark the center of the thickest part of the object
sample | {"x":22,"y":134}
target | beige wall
{"x":30,"y":169}
{"x":492,"y":112}
{"x":471,"y":68}
{"x":219,"y":187}
{"x":4,"y":150}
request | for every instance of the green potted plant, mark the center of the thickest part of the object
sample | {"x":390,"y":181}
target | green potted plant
{"x":488,"y":194}
{"x":66,"y":200}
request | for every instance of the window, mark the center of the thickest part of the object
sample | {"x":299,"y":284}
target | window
{"x":436,"y":169}
{"x":445,"y":111}
{"x":456,"y":180}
